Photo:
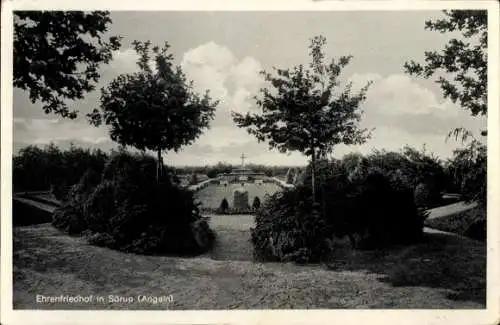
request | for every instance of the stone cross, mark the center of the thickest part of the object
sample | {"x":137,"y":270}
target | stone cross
{"x":243,"y":159}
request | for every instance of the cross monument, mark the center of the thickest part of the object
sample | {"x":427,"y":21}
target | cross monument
{"x":243,"y":159}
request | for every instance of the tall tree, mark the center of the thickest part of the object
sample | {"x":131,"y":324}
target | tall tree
{"x":301,"y":111}
{"x":462,"y":66}
{"x":57,"y":55}
{"x":154,"y":110}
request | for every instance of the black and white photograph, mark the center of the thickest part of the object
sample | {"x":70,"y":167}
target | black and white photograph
{"x":250,"y":160}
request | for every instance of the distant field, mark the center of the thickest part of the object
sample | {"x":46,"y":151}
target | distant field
{"x":211,"y":196}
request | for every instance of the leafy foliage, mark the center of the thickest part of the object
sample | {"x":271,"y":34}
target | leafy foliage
{"x":57,"y":55}
{"x":41,"y":169}
{"x":154,"y":110}
{"x":366,"y":207}
{"x":366,"y":204}
{"x":224,"y":206}
{"x":194,"y":179}
{"x":126,"y":209}
{"x":369,"y":199}
{"x":468,"y":169}
{"x":463,"y":60}
{"x":288,"y":230}
{"x":256,"y":203}
{"x":405,"y":169}
{"x":301,"y":111}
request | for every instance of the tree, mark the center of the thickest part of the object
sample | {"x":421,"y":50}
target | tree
{"x":224,"y":206}
{"x":289,"y":176}
{"x":154,"y":110}
{"x":468,"y":168}
{"x":194,"y":179}
{"x":256,"y":203}
{"x":301,"y":112}
{"x":464,"y":61}
{"x":57,"y":55}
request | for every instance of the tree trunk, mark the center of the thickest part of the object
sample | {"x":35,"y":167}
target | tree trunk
{"x":313,"y":175}
{"x":159,"y":167}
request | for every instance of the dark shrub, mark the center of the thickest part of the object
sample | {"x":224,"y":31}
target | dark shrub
{"x":289,"y":176}
{"x":69,"y":217}
{"x":130,"y":211}
{"x":410,"y":167}
{"x":203,"y":235}
{"x":373,"y":208}
{"x":477,"y":231}
{"x":24,"y":214}
{"x":60,"y":190}
{"x":224,"y":206}
{"x":389,"y":215}
{"x":36,"y":169}
{"x":468,"y":168}
{"x":361,"y":201}
{"x":256,"y":203}
{"x":289,"y":229}
{"x":423,"y":194}
{"x":99,"y":207}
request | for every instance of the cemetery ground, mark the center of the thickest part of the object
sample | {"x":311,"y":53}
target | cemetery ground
{"x":213,"y":194}
{"x":445,"y":271}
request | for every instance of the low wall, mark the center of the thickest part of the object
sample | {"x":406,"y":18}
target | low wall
{"x":202,"y":185}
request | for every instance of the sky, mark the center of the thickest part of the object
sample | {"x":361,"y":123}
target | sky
{"x":224,"y":52}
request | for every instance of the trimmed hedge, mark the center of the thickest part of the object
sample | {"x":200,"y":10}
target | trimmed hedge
{"x":373,"y":209}
{"x":126,"y":209}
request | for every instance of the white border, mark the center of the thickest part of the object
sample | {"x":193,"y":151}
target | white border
{"x":488,"y":316}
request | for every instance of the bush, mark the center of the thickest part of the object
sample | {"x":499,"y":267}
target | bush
{"x":388,"y":215}
{"x":203,"y":235}
{"x":424,"y":195}
{"x":468,"y":169}
{"x":477,"y":231}
{"x":68,"y":217}
{"x":52,"y":168}
{"x":368,"y":201}
{"x":127,"y":209}
{"x":224,"y":206}
{"x":256,"y":203}
{"x":289,"y":229}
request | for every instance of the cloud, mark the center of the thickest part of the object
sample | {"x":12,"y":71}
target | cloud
{"x":45,"y":131}
{"x":400,"y":94}
{"x":234,"y":82}
{"x":231,"y":80}
{"x":400,"y":102}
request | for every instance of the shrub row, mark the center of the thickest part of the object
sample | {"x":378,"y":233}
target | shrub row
{"x":125,"y":208}
{"x":356,"y":198}
{"x":224,"y":207}
{"x":36,"y":169}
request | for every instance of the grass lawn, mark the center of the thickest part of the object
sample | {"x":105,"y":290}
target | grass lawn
{"x":213,"y":194}
{"x":446,"y":271}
